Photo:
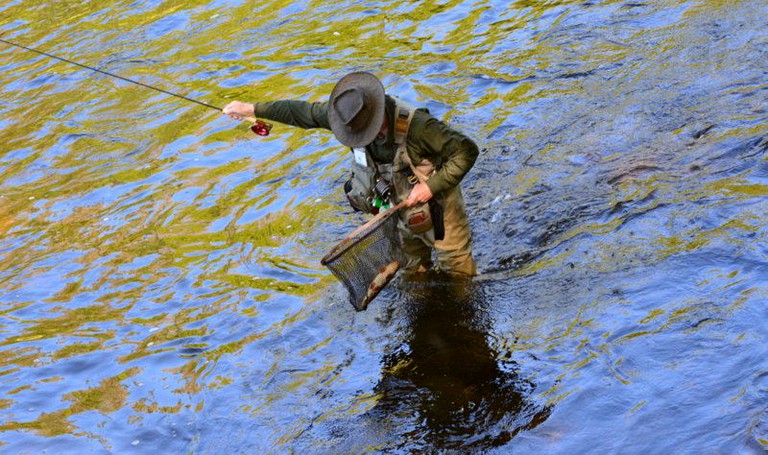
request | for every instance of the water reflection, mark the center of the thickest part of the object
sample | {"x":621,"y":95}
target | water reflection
{"x":445,"y":387}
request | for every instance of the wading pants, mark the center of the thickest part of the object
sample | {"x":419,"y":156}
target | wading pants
{"x":454,"y":252}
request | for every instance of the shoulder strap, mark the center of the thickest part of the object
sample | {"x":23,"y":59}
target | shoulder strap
{"x":403,"y":116}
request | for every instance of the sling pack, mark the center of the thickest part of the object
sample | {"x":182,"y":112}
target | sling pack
{"x":418,"y":218}
{"x":425,"y":218}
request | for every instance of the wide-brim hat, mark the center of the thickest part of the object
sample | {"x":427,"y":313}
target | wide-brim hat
{"x":356,"y":109}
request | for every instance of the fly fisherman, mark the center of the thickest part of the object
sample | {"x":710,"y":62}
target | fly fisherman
{"x":400,"y":154}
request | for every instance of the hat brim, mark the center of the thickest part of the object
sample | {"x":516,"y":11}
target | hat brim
{"x":374,"y":91}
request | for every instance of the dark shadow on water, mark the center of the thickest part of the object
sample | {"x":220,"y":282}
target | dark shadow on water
{"x":445,"y":387}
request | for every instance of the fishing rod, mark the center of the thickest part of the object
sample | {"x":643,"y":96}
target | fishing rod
{"x":259,"y":127}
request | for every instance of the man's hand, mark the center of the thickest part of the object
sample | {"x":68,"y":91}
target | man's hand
{"x":420,"y":193}
{"x":239,"y":110}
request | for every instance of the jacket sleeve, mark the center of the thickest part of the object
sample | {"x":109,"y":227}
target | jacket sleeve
{"x":452,"y":152}
{"x":297,"y":113}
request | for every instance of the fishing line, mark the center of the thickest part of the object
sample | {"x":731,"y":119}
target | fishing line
{"x":258,"y":127}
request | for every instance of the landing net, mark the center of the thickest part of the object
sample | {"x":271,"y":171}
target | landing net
{"x":368,"y":258}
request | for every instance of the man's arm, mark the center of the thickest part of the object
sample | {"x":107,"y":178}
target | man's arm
{"x":297,"y":113}
{"x":455,"y":152}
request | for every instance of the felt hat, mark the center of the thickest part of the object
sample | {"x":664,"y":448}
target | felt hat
{"x":356,"y":109}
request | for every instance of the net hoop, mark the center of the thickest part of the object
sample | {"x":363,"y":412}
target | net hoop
{"x":360,"y":234}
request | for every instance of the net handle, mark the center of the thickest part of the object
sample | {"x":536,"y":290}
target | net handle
{"x":376,"y":218}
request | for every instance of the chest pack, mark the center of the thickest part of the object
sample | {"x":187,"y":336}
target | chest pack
{"x":377,"y":186}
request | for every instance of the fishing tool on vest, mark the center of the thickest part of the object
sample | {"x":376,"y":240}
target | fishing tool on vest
{"x":383,"y":191}
{"x":368,"y":258}
{"x":259,"y":127}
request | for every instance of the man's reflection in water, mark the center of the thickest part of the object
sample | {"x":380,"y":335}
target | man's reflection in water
{"x":445,"y":388}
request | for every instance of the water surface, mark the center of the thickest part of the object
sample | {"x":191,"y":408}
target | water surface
{"x":160,"y":280}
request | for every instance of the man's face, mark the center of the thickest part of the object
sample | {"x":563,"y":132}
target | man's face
{"x":381,"y":138}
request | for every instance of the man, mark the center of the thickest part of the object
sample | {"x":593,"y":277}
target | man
{"x":400,"y":153}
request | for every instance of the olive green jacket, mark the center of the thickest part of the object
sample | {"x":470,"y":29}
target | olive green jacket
{"x":452,"y":153}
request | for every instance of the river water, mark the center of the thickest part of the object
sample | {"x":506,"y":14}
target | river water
{"x":160,"y":283}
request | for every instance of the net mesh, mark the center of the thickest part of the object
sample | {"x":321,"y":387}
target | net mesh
{"x":368,"y":258}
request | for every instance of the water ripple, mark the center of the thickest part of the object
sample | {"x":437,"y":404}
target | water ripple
{"x":160,"y":265}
